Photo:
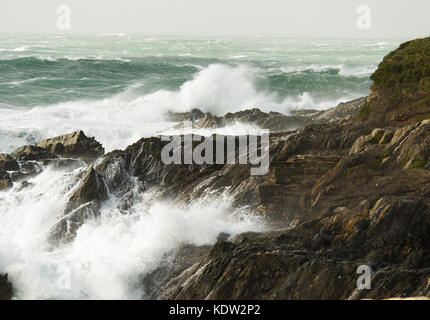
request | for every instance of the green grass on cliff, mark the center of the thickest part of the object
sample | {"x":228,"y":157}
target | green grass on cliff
{"x":402,"y":80}
{"x":407,"y":68}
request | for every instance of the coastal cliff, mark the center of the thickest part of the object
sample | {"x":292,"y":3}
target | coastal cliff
{"x":346,"y":187}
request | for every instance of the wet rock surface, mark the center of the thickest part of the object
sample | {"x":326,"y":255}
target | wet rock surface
{"x":66,"y":151}
{"x":5,"y":288}
{"x":83,"y":204}
{"x":5,"y":180}
{"x":73,"y":145}
{"x":7,"y":163}
{"x":273,"y":121}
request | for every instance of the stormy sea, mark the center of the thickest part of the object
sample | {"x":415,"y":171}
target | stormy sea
{"x":119,"y":88}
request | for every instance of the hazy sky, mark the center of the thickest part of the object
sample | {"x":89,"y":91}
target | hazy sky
{"x":307,"y":18}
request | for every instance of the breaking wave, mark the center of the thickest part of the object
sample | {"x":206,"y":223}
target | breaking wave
{"x":111,"y":253}
{"x":125,"y":117}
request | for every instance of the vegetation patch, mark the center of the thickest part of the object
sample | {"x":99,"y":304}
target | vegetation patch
{"x":402,"y":80}
{"x":419,"y":163}
{"x":377,"y":138}
{"x":364,"y":112}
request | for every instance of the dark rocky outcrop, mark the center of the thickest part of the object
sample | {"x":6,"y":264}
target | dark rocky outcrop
{"x":7,"y":163}
{"x":273,"y":121}
{"x":5,"y":288}
{"x":5,"y":180}
{"x":364,"y":183}
{"x":73,"y":145}
{"x":83,"y":203}
{"x":70,"y":150}
{"x":35,"y":153}
{"x":343,"y":110}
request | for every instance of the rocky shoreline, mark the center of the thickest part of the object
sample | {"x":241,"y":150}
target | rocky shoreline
{"x":346,"y":187}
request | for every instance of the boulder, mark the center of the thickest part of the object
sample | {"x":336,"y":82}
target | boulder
{"x":7,"y":163}
{"x":75,"y":145}
{"x":32,"y":153}
{"x":5,"y":180}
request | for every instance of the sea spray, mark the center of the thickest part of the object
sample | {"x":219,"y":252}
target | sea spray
{"x":111,"y":252}
{"x":122,"y":119}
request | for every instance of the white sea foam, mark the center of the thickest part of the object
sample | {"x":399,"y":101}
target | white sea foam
{"x":346,"y":71}
{"x":114,"y":34}
{"x":110,"y":253}
{"x":126,"y":117}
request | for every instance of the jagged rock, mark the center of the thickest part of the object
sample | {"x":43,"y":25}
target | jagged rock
{"x":70,"y":150}
{"x":5,"y":181}
{"x":173,"y":266}
{"x":27,"y":170}
{"x":27,"y":153}
{"x":343,"y":110}
{"x":5,"y":288}
{"x":356,"y":192}
{"x":7,"y":163}
{"x":84,"y":203}
{"x":91,"y":188}
{"x":375,"y":137}
{"x":273,"y":121}
{"x":75,"y":144}
{"x":319,"y":259}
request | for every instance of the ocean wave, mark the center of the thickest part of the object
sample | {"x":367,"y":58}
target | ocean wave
{"x":20,"y":82}
{"x":12,"y":58}
{"x":341,"y":69}
{"x":19,"y":49}
{"x":122,"y":119}
{"x":110,"y":253}
{"x":113,"y":34}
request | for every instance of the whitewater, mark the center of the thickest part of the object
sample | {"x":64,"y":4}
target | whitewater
{"x":119,"y":88}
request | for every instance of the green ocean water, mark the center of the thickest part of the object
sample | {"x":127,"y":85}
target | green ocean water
{"x":76,"y":81}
